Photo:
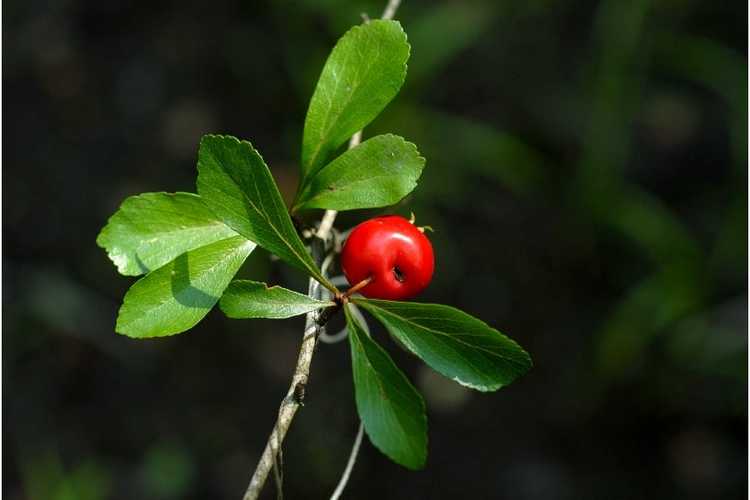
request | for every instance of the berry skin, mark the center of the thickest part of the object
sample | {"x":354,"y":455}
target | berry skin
{"x":391,"y":251}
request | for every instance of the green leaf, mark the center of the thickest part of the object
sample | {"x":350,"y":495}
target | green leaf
{"x":252,"y":299}
{"x":152,"y":229}
{"x":361,"y":76}
{"x":391,"y":409}
{"x":453,"y":343}
{"x":377,"y":173}
{"x":175,"y":297}
{"x":236,"y":184}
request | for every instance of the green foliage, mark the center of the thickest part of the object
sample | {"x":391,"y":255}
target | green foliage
{"x":245,"y":299}
{"x":465,"y":21}
{"x":236,"y":184}
{"x":648,"y":308}
{"x":391,"y":409}
{"x":45,"y":477}
{"x":377,"y":173}
{"x":175,"y":297}
{"x":453,"y":343}
{"x":151,"y":229}
{"x":167,"y":471}
{"x":485,"y":153}
{"x":191,"y":246}
{"x":361,"y":76}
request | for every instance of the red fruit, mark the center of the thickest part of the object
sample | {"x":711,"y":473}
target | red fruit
{"x":391,"y":251}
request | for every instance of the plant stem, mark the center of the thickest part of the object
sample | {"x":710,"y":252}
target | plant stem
{"x":295,"y":395}
{"x":350,"y":464}
{"x":359,"y":286}
{"x":287,"y":410}
{"x":390,"y":9}
{"x":291,"y":403}
{"x":326,"y":223}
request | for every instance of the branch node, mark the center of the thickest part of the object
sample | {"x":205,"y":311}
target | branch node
{"x":328,"y":312}
{"x":298,"y":395}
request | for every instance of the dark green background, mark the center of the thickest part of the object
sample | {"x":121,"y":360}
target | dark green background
{"x":587,"y":180}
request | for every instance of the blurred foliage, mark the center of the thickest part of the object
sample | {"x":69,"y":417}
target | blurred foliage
{"x":587,"y":179}
{"x":167,"y":471}
{"x":45,"y":478}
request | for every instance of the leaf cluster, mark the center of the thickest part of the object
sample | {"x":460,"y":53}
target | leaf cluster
{"x":187,"y":248}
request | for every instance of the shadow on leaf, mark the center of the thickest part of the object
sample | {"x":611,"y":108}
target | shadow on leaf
{"x":183,"y":291}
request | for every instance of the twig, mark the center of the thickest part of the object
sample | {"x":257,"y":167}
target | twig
{"x":341,"y":335}
{"x":335,"y":338}
{"x":359,"y":318}
{"x":295,"y":395}
{"x":355,"y":140}
{"x":291,"y":403}
{"x":390,"y":9}
{"x":289,"y":406}
{"x":350,"y":464}
{"x":326,"y":223}
{"x":359,"y":286}
{"x":278,"y":471}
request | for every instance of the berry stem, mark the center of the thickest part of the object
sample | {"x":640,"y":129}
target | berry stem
{"x":359,"y":286}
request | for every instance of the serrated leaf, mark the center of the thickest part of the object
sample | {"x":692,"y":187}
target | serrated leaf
{"x":459,"y":346}
{"x":391,"y":409}
{"x":253,"y":299}
{"x":152,"y":229}
{"x":377,"y":173}
{"x":361,"y":76}
{"x":237,"y":186}
{"x":176,"y":296}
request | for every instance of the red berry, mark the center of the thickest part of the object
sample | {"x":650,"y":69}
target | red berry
{"x":391,"y":251}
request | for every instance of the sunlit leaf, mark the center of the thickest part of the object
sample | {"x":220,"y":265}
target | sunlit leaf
{"x":377,"y":173}
{"x":152,"y":229}
{"x":176,"y":296}
{"x":361,"y":76}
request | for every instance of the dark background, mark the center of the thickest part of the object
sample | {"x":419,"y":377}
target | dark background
{"x":587,"y":180}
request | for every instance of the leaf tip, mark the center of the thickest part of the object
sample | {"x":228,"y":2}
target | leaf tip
{"x":123,"y":329}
